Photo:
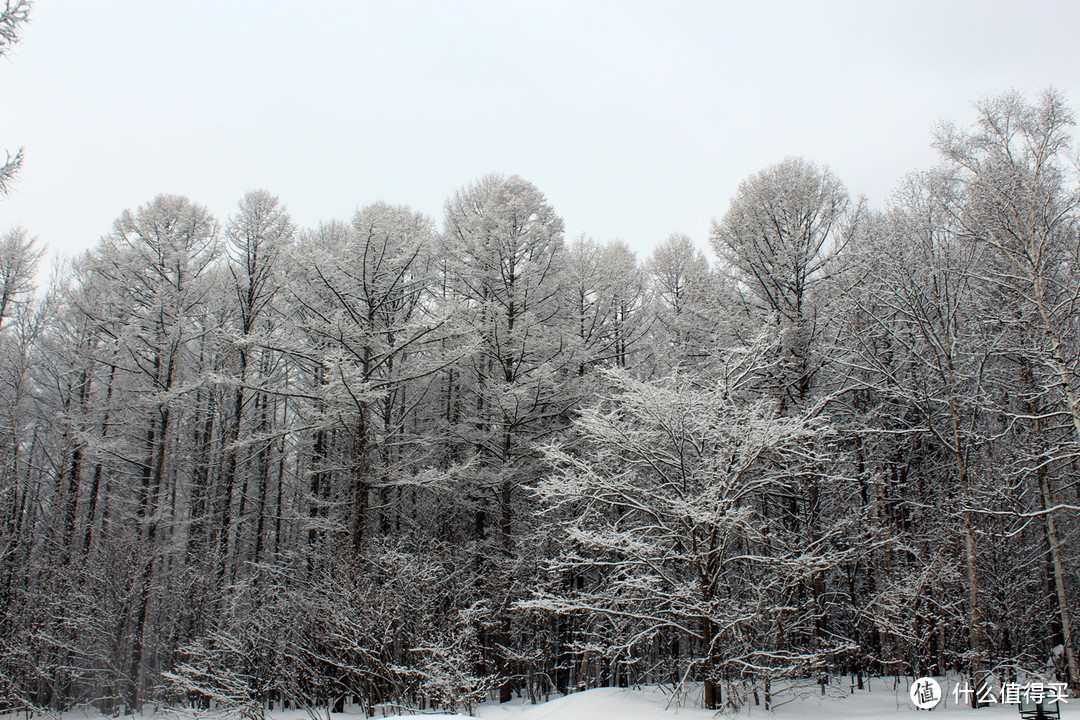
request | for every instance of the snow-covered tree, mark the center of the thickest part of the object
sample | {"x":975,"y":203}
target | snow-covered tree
{"x":159,"y":260}
{"x":366,"y":300}
{"x":1016,"y":200}
{"x":605,"y":294}
{"x":13,"y":15}
{"x":258,"y":239}
{"x":505,"y":265}
{"x":929,"y":360}
{"x":778,"y":241}
{"x":683,"y":304}
{"x":662,"y":497}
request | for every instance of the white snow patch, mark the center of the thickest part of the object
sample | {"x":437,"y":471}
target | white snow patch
{"x":881,"y":701}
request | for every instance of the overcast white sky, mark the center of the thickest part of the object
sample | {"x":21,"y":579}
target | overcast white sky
{"x":636,"y":119}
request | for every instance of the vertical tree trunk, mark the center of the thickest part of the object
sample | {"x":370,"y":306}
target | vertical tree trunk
{"x":95,"y":483}
{"x":975,"y":640}
{"x":230,"y":451}
{"x":262,"y":467}
{"x":711,"y":689}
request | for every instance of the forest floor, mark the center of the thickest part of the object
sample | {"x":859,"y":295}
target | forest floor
{"x":883,"y":698}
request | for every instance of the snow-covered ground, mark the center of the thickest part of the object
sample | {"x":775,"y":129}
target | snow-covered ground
{"x":880,"y":701}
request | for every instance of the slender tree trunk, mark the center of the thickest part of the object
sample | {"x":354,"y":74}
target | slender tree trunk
{"x":263,"y":473}
{"x":228,"y":473}
{"x":75,"y":470}
{"x":95,"y":483}
{"x":975,"y":639}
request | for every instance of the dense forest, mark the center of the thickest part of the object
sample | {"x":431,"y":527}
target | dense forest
{"x":398,"y":462}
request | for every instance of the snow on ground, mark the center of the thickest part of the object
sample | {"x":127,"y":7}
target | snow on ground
{"x":881,"y":701}
{"x":644,"y":704}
